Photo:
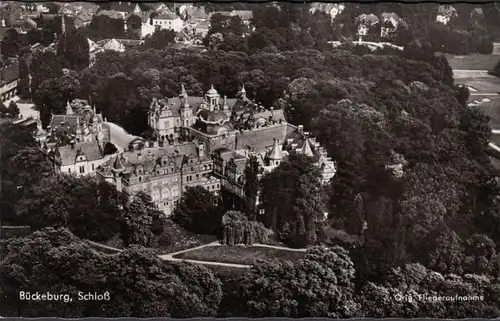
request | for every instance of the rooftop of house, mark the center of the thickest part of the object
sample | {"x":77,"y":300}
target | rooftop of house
{"x":111,"y":13}
{"x":91,"y":150}
{"x":144,"y":15}
{"x":245,"y":15}
{"x":166,"y":16}
{"x":123,"y":6}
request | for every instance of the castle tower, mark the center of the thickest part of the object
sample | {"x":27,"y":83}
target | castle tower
{"x":185,"y":109}
{"x":243,"y":92}
{"x":79,"y":131}
{"x":212,"y":97}
{"x":117,"y":170}
{"x":275,"y":156}
{"x":63,"y":25}
{"x":225,"y":107}
{"x":307,"y":149}
{"x":69,"y":110}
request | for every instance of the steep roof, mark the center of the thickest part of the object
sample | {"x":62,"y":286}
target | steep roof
{"x":91,"y":150}
{"x":66,"y":123}
{"x":262,"y":139}
{"x":275,"y":152}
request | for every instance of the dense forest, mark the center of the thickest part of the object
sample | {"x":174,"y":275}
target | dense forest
{"x":414,"y":184}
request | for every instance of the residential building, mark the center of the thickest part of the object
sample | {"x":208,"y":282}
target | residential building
{"x":168,"y":22}
{"x":112,"y":14}
{"x":157,"y":6}
{"x":9,"y":80}
{"x":79,"y":159}
{"x":389,"y":24}
{"x":332,"y":9}
{"x":245,"y":15}
{"x":82,"y":20}
{"x":193,"y":14}
{"x":111,"y":44}
{"x":125,"y":8}
{"x":147,"y":27}
{"x":445,"y":14}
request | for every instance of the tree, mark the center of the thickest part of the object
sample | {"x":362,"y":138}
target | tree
{"x":63,"y":201}
{"x":11,"y":43}
{"x":197,"y":211}
{"x":13,"y":110}
{"x":138,"y":283}
{"x":414,"y":286}
{"x":160,"y":39}
{"x":237,"y":229}
{"x":291,"y":200}
{"x":73,"y":47}
{"x":139,"y":220}
{"x":320,"y":285}
{"x":251,"y":184}
{"x":24,"y":80}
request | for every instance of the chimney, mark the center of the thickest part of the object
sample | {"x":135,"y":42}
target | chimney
{"x":72,"y":144}
{"x":3,"y":22}
{"x":301,"y":129}
{"x":272,"y":108}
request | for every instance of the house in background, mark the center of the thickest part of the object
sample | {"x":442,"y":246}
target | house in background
{"x":82,"y":20}
{"x":245,"y":15}
{"x":111,"y":45}
{"x":445,"y":14}
{"x":389,"y":24}
{"x":147,"y":27}
{"x":112,"y":14}
{"x":125,"y":8}
{"x":9,"y":80}
{"x":365,"y":23}
{"x":157,"y":6}
{"x":168,"y":22}
{"x":192,"y":14}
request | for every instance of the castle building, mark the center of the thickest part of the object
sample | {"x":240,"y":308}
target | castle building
{"x":207,"y":141}
{"x":76,"y":140}
{"x":163,"y":172}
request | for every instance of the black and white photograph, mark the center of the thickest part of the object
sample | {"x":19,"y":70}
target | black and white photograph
{"x":249,"y":159}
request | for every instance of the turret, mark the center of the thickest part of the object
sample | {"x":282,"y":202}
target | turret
{"x":225,"y":107}
{"x":184,"y":96}
{"x":69,"y":110}
{"x":275,"y":155}
{"x":79,"y":132}
{"x":243,"y":92}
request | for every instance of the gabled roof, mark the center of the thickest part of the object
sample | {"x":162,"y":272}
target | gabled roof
{"x":166,"y":16}
{"x":244,"y":15}
{"x":122,"y":6}
{"x":91,"y":150}
{"x":111,"y":13}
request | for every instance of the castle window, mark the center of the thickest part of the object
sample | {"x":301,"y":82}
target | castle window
{"x":93,"y":167}
{"x":197,"y":176}
{"x":217,"y":185}
{"x":82,"y":169}
{"x":140,"y":179}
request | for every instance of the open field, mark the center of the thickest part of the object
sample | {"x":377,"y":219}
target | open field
{"x":247,"y":255}
{"x":172,"y":239}
{"x":473,"y":61}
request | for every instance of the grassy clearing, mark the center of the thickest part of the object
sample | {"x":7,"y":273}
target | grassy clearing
{"x":473,"y":61}
{"x":246,"y":255}
{"x":173,"y":238}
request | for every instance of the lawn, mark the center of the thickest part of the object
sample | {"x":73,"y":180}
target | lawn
{"x":246,"y":255}
{"x":172,"y":239}
{"x":473,"y":61}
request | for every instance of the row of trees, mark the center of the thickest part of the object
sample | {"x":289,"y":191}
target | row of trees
{"x":135,"y":283}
